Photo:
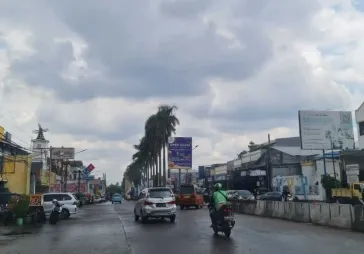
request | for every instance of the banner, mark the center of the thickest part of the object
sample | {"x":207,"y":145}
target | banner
{"x":179,"y":152}
{"x":44,"y":177}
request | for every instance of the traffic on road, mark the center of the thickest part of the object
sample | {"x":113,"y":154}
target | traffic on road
{"x":153,"y":224}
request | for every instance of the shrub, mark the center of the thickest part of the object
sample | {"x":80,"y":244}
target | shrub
{"x":21,"y":206}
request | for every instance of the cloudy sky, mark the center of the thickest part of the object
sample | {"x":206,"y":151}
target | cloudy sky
{"x":237,"y":70}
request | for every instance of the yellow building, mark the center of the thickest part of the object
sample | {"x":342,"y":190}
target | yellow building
{"x":15,"y":165}
{"x":16,"y":173}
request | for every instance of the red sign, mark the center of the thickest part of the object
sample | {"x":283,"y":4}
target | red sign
{"x":90,"y":167}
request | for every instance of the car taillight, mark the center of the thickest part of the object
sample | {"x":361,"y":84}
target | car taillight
{"x":75,"y":203}
{"x":193,"y":196}
{"x":172,"y":203}
{"x":180,"y":196}
{"x":148,"y":203}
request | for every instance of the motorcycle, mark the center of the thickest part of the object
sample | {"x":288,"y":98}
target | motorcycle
{"x":224,"y":221}
{"x":56,"y":212}
{"x":6,"y":216}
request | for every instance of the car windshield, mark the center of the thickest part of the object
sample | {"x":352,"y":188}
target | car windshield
{"x":160,"y":193}
{"x":243,"y":193}
{"x":116,"y":195}
{"x":186,"y":190}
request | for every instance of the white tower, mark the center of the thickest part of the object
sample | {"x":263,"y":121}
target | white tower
{"x":40,"y":147}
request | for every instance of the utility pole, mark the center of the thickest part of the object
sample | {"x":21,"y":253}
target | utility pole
{"x":269,"y":168}
{"x":79,"y":181}
{"x":50,"y":169}
{"x":65,"y":164}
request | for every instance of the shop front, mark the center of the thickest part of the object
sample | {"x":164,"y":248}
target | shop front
{"x":251,"y":179}
{"x":222,"y":179}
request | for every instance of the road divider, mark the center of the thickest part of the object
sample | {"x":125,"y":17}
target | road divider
{"x":331,"y":215}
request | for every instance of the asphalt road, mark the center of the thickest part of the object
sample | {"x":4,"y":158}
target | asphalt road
{"x":96,"y":229}
{"x":107,"y":228}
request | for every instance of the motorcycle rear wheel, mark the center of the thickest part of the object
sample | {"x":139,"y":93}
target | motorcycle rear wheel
{"x":216,"y":232}
{"x":227,"y":232}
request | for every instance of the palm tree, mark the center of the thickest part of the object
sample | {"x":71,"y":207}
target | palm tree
{"x":153,"y":134}
{"x":147,"y":160}
{"x":168,"y":123}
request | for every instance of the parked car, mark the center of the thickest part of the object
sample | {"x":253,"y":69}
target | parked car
{"x":243,"y":195}
{"x":231,"y":194}
{"x":158,"y":202}
{"x":68,"y":201}
{"x":97,"y":199}
{"x":116,"y":198}
{"x":81,"y":197}
{"x":271,"y":196}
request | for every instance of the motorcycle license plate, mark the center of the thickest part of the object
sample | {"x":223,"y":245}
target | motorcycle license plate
{"x":228,"y":218}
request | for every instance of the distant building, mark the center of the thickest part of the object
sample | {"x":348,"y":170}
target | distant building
{"x":359,"y":116}
{"x":259,"y":168}
{"x":14,"y":166}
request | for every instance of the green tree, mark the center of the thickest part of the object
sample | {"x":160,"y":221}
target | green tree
{"x":153,"y":134}
{"x":150,"y":153}
{"x":168,"y":122}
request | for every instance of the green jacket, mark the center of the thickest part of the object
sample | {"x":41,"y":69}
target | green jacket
{"x":219,"y":197}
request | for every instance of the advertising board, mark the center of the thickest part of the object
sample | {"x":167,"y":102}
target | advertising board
{"x":326,"y":130}
{"x":60,"y":153}
{"x":179,"y":152}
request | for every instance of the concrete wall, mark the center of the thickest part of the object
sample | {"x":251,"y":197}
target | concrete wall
{"x":16,"y":172}
{"x":331,"y":215}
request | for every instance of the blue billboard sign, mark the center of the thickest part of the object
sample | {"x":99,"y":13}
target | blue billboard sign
{"x":179,"y":152}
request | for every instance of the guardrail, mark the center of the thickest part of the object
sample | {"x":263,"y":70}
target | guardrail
{"x":331,"y":215}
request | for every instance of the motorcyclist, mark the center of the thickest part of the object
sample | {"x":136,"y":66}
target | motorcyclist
{"x":218,"y":198}
{"x":285,"y":193}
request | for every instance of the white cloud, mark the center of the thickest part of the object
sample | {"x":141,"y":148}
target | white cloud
{"x":238,"y":71}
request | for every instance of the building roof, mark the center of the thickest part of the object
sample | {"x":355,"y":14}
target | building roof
{"x":360,"y":107}
{"x":297,"y":151}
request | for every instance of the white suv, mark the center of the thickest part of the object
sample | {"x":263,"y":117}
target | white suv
{"x":156,"y":202}
{"x":68,"y":201}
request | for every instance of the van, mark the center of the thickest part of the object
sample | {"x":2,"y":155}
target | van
{"x":189,"y":196}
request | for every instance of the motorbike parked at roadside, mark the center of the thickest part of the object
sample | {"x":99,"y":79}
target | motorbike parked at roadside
{"x":56,"y":212}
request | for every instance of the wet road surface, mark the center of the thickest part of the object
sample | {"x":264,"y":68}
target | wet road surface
{"x":107,"y":228}
{"x":95,"y":229}
{"x":191,"y":234}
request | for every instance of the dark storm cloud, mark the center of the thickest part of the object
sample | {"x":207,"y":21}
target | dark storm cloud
{"x":143,"y":54}
{"x":84,"y":128}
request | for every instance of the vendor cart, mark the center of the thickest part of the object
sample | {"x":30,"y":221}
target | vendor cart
{"x":36,"y":210}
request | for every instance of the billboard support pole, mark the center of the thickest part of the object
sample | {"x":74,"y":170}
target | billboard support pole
{"x":50,"y":169}
{"x":79,"y":181}
{"x":333,"y":161}
{"x":268,"y":164}
{"x":179,"y":178}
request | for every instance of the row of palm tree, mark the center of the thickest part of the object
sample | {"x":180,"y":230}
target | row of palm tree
{"x":149,"y":160}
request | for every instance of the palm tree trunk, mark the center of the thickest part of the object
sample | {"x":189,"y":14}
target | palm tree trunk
{"x":160,"y":168}
{"x":156,"y":172}
{"x":164,"y":165}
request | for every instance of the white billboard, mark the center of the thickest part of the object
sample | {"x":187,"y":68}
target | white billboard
{"x":326,"y":130}
{"x":63,"y":153}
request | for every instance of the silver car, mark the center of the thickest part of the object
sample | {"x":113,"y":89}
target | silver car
{"x":156,"y":202}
